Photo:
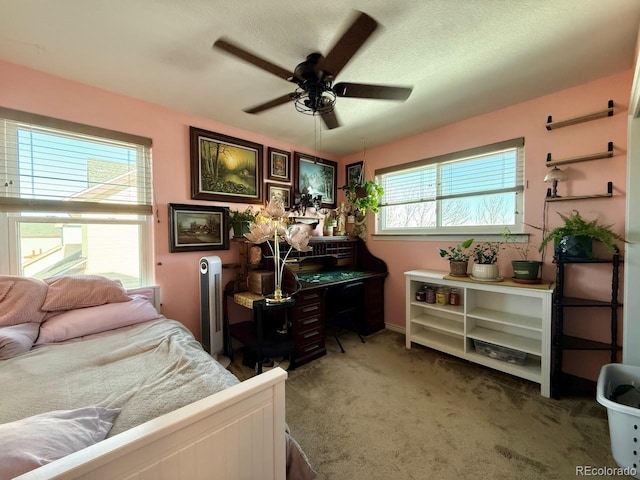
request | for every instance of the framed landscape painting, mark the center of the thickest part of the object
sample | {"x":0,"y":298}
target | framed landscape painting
{"x":279,"y":163}
{"x":198,"y":227}
{"x":316,"y":176}
{"x":282,"y":192}
{"x":225,"y":169}
{"x":354,"y":173}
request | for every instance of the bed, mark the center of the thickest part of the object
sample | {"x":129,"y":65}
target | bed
{"x":98,"y":385}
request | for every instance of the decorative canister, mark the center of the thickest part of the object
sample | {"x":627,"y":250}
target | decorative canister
{"x":454,"y":297}
{"x":441,"y":296}
{"x":421,"y":295}
{"x":431,"y":295}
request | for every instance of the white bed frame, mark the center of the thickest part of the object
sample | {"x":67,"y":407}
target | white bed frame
{"x":238,"y":433}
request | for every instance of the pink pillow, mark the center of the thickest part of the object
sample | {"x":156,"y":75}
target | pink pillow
{"x":79,"y":291}
{"x":86,"y":321}
{"x":20,"y":300}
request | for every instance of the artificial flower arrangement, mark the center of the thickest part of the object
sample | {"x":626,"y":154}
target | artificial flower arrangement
{"x":272,"y":226}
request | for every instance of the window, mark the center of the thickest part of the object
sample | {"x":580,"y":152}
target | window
{"x":474,"y":191}
{"x":74,"y":199}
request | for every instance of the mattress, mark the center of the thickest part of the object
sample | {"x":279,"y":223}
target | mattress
{"x":146,"y":370}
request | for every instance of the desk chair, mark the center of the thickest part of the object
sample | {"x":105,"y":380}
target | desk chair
{"x":345,"y":310}
{"x":264,"y":336}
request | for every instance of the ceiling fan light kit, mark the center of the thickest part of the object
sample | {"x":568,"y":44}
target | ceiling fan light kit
{"x":315,"y":93}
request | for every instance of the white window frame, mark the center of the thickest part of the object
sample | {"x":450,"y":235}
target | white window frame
{"x":12,"y":210}
{"x":439,"y":231}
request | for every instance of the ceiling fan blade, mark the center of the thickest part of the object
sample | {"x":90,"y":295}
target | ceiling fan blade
{"x":350,"y":42}
{"x":273,"y":103}
{"x":330,"y":120}
{"x":362,"y":90}
{"x":249,"y":57}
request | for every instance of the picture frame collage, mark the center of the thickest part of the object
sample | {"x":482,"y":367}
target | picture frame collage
{"x":230,"y":169}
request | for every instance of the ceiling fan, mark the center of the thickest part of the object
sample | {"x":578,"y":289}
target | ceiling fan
{"x":315,"y":93}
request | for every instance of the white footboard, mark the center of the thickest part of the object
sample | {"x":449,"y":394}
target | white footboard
{"x":238,"y":433}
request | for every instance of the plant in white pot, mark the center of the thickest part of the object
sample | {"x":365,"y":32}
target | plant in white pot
{"x":485,"y":257}
{"x":524,"y":269}
{"x":458,"y":257}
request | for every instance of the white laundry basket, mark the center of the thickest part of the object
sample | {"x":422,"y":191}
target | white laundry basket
{"x":624,"y":421}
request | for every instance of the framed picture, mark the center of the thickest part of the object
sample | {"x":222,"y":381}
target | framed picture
{"x":316,"y":176}
{"x":198,"y":227}
{"x":225,"y":169}
{"x":279,"y":165}
{"x":354,"y":173}
{"x":280,"y":191}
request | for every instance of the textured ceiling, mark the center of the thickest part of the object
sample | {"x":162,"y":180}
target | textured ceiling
{"x":462,"y":57}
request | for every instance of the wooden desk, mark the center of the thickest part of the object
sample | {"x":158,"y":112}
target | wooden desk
{"x":313,"y":275}
{"x":333,"y":261}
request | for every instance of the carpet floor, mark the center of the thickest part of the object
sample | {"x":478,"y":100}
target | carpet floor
{"x":380,"y":411}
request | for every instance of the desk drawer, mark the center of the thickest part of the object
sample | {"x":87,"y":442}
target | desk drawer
{"x":310,"y":351}
{"x":310,"y":336}
{"x":309,"y":310}
{"x":305,"y":298}
{"x":313,"y":322}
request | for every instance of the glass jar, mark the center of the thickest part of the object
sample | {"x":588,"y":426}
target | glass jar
{"x":454,"y":297}
{"x":421,"y":295}
{"x":431,"y":295}
{"x":441,"y":296}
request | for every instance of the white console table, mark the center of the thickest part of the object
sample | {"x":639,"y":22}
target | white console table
{"x":506,"y":314}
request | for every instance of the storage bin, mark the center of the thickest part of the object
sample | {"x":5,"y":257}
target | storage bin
{"x":503,"y":354}
{"x":624,"y":420}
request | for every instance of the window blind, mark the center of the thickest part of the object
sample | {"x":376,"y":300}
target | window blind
{"x":48,"y":164}
{"x":475,"y":190}
{"x":495,"y":168}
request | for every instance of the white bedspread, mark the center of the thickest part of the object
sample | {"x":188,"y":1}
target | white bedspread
{"x":146,"y":370}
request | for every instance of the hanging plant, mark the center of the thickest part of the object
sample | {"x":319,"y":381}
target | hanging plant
{"x":364,"y":196}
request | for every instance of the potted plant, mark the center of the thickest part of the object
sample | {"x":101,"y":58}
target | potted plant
{"x":485,"y":256}
{"x":458,"y":257}
{"x":574,"y":239}
{"x":524,"y":269}
{"x":240,"y":221}
{"x":362,"y":196}
{"x":330,"y":222}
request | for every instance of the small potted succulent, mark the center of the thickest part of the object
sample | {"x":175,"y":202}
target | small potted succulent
{"x":458,"y":257}
{"x":485,"y":257}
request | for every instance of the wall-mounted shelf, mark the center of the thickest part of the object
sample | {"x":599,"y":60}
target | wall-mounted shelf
{"x":582,"y":158}
{"x":580,"y":197}
{"x":608,"y":112}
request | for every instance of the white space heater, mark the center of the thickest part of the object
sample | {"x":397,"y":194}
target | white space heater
{"x":211,"y":307}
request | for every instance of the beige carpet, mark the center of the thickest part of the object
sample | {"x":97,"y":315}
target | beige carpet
{"x":381,"y":411}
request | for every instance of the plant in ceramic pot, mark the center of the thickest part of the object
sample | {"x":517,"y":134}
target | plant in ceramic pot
{"x":574,"y":239}
{"x":485,"y":257}
{"x":240,"y":221}
{"x":525,"y":270}
{"x":458,"y":257}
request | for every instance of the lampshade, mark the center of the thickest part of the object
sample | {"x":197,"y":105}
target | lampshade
{"x":556,"y":175}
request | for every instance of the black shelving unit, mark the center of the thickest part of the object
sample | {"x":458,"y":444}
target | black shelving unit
{"x":562,"y":383}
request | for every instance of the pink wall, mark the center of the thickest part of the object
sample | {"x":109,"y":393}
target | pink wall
{"x":177,"y":274}
{"x":527,"y":119}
